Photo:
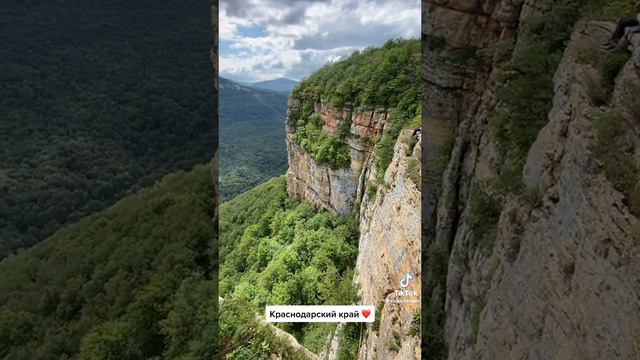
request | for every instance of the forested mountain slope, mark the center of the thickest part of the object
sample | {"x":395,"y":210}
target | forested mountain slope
{"x":252,"y":147}
{"x":98,"y":99}
{"x":131,"y":282}
{"x":277,"y":250}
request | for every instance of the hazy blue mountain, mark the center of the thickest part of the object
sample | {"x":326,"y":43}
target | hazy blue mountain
{"x":282,"y":85}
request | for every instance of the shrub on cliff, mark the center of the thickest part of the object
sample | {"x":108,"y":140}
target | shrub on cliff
{"x":243,"y":337}
{"x":615,"y":150}
{"x":398,"y":119}
{"x":482,"y":219}
{"x":526,"y":97}
{"x":326,"y":149}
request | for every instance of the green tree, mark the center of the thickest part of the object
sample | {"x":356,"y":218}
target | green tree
{"x":108,"y":341}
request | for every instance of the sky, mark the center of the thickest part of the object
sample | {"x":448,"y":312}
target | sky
{"x":268,"y":39}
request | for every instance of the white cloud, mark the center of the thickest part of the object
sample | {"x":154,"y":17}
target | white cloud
{"x":300,"y":36}
{"x":333,"y":58}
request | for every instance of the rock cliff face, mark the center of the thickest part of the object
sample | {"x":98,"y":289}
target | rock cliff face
{"x":366,"y":124}
{"x":561,"y":279}
{"x":389,"y":221}
{"x":389,"y":248}
{"x":320,"y":185}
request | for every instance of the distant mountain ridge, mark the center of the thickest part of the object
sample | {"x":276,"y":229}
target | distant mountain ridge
{"x":252,"y":138}
{"x":231,"y":91}
{"x":282,"y":85}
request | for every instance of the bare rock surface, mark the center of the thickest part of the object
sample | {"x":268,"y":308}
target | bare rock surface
{"x":573,"y":289}
{"x":389,"y":248}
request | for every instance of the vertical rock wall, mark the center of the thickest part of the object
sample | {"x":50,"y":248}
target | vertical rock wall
{"x":561,"y":281}
{"x":324,"y":187}
{"x":389,"y":248}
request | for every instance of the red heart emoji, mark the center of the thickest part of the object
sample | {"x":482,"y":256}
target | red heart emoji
{"x":366,"y":313}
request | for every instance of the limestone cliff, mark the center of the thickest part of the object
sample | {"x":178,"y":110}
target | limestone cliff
{"x":320,"y":185}
{"x":389,"y":220}
{"x":389,"y":247}
{"x":547,"y":269}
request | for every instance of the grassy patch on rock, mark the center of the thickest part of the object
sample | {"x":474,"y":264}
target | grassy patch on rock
{"x":615,"y":149}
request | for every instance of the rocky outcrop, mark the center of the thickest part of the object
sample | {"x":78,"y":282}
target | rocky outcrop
{"x":475,"y":23}
{"x":389,"y":247}
{"x":320,"y":185}
{"x":365,"y":123}
{"x":566,"y":282}
{"x":333,"y":344}
{"x":561,"y":280}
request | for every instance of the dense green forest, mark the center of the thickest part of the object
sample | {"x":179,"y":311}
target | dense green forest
{"x":252,"y":137}
{"x":388,"y":76}
{"x":131,"y":282}
{"x":112,"y":101}
{"x":276,"y":250}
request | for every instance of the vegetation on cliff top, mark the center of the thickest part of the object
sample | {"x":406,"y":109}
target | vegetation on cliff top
{"x":277,"y":250}
{"x":386,"y":77}
{"x":131,"y":282}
